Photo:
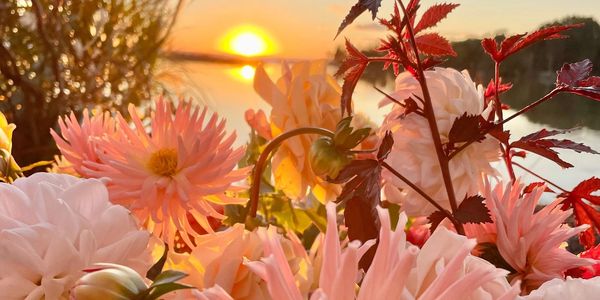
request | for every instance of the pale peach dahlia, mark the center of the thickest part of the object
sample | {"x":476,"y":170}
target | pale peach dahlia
{"x":453,"y":94}
{"x":529,"y":241}
{"x":174,"y":177}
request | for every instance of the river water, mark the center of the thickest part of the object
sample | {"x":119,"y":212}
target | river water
{"x":228,"y":90}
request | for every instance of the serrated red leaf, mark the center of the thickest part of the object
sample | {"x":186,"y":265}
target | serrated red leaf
{"x":435,"y":219}
{"x":491,"y":89}
{"x":386,"y":146}
{"x":491,"y":47}
{"x":516,"y":43}
{"x":357,"y":9}
{"x":465,"y":128}
{"x":473,"y":210}
{"x":434,"y":44}
{"x":551,"y":32}
{"x":352,"y":69}
{"x":592,"y":81}
{"x":434,"y":15}
{"x":585,"y":213}
{"x":538,"y":143}
{"x":363,"y":224}
{"x":571,"y":74}
{"x":532,"y":186}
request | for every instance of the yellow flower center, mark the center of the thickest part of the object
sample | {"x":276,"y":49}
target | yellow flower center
{"x":163,"y":162}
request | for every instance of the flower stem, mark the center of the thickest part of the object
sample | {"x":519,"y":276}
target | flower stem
{"x":430,"y":114}
{"x":540,"y":177}
{"x":548,"y":96}
{"x":423,"y":194}
{"x":262,"y":161}
{"x":498,"y":108}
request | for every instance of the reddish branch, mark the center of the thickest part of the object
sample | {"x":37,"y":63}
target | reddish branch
{"x":430,"y":114}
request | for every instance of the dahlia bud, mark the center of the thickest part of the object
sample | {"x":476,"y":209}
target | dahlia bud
{"x":326,"y":159}
{"x":108,"y":282}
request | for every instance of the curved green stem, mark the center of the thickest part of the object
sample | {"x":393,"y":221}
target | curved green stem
{"x":262,"y":161}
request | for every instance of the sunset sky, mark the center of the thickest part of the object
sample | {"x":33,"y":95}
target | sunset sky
{"x":305,"y":29}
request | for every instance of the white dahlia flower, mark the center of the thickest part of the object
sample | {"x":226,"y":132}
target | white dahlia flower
{"x":453,"y":93}
{"x":570,"y":288}
{"x":52,"y":226}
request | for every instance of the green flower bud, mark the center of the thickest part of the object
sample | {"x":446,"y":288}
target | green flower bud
{"x":326,"y":160}
{"x":108,"y":282}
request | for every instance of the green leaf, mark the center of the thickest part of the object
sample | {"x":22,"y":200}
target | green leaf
{"x":168,"y":276}
{"x":163,"y":289}
{"x":288,"y":216}
{"x":156,"y":269}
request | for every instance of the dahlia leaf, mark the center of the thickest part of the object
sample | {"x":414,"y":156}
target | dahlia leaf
{"x":386,"y":146}
{"x":435,"y":218}
{"x":351,"y":69}
{"x":166,"y":288}
{"x":434,"y":44}
{"x":434,"y":15}
{"x":585,"y":213}
{"x":356,"y":10}
{"x":473,"y":210}
{"x":168,"y":276}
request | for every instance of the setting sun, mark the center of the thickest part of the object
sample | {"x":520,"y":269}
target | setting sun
{"x":248,"y":40}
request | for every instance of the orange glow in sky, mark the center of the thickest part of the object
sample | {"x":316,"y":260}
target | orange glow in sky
{"x":248,"y":40}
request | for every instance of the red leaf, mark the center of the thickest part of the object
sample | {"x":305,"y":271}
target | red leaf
{"x":585,"y":213}
{"x":491,"y":47}
{"x":357,"y":10}
{"x":516,"y":43}
{"x":552,"y":32}
{"x":352,"y":68}
{"x":528,"y":189}
{"x":473,"y":210}
{"x":434,"y":15}
{"x":466,"y":128}
{"x":574,"y":79}
{"x":363,"y":224}
{"x":386,"y":146}
{"x":592,"y":81}
{"x":491,"y":88}
{"x":571,"y":74}
{"x":435,"y":219}
{"x":434,"y":44}
{"x":537,"y":143}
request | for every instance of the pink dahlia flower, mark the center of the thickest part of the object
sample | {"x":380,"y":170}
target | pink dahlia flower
{"x":528,"y":241}
{"x":78,"y":142}
{"x":453,"y":94}
{"x":443,"y":269}
{"x":52,"y":226}
{"x":174,"y":178}
{"x":570,"y":288}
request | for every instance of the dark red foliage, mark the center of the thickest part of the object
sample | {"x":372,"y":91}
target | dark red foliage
{"x":434,"y":44}
{"x":361,"y":193}
{"x":516,"y":43}
{"x":473,"y":210}
{"x":434,"y":15}
{"x":583,"y":203}
{"x":575,"y":78}
{"x":357,"y":10}
{"x":538,"y":143}
{"x":351,"y":69}
{"x":587,"y":272}
{"x":466,"y":128}
{"x":532,"y":186}
{"x":491,"y":89}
